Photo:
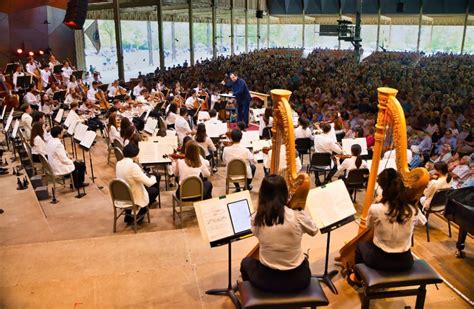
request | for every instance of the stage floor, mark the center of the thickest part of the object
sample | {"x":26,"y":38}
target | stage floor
{"x":72,"y":258}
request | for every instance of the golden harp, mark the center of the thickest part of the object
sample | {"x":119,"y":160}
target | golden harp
{"x":390,"y":113}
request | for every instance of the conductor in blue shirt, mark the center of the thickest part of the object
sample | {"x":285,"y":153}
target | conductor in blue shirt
{"x":242,"y":96}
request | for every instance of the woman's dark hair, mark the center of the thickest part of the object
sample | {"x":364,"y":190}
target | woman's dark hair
{"x":37,"y":115}
{"x":36,"y":130}
{"x":394,"y":193}
{"x":201,"y":133}
{"x":193,"y":158}
{"x":186,"y":139}
{"x":266,"y":116}
{"x":272,"y":198}
{"x":241,"y":125}
{"x":442,"y":167}
{"x":236,"y":135}
{"x":124,"y":125}
{"x":173,"y":108}
{"x":303,"y":123}
{"x":356,"y":151}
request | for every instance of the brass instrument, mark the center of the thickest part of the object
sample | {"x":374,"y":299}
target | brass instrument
{"x":283,"y":133}
{"x":390,"y":112}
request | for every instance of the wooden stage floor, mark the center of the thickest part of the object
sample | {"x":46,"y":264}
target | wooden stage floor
{"x":72,"y":258}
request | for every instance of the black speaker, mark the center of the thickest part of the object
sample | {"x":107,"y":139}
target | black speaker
{"x":259,"y":14}
{"x":76,"y":14}
{"x":400,"y":7}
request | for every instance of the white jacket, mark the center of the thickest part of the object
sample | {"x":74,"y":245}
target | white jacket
{"x":133,"y":175}
{"x":57,"y":157}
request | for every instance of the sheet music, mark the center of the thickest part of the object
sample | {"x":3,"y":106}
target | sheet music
{"x":384,"y":164}
{"x":71,"y":117}
{"x":203,"y":116}
{"x":217,"y":221}
{"x":348,"y":142}
{"x":329,"y":204}
{"x":88,"y":139}
{"x":147,"y":114}
{"x":15,"y":128}
{"x":150,"y":125}
{"x":153,"y":152}
{"x":9,"y":121}
{"x":71,"y":128}
{"x":260,"y":144}
{"x":59,"y":115}
{"x":248,"y":137}
{"x":167,"y":140}
{"x":3,"y":112}
{"x":214,"y":130}
{"x":80,"y":131}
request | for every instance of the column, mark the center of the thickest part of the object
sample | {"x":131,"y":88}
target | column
{"x":420,"y":21}
{"x":379,"y":11}
{"x":208,"y":33}
{"x":118,"y":39}
{"x":302,"y":34}
{"x":232,"y":36}
{"x":173,"y":39}
{"x":149,"y":41}
{"x":191,"y":39}
{"x":159,"y":16}
{"x":268,"y":31}
{"x":246,"y":26}
{"x":258,"y":33}
{"x":466,"y":18}
{"x":80,"y":50}
{"x":214,"y":30}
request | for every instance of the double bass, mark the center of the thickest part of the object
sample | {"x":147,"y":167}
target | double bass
{"x":284,"y":134}
{"x":390,"y":113}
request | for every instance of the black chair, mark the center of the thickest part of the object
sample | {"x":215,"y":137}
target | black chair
{"x":437,"y":205}
{"x":357,"y":179}
{"x":303,"y":146}
{"x":320,"y":163}
{"x":267,"y":133}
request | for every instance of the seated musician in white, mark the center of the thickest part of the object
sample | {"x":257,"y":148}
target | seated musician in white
{"x":26,"y":120}
{"x":45,"y":75}
{"x":352,"y":163}
{"x":282,"y":266}
{"x":214,"y":117}
{"x":303,"y":130}
{"x":441,"y":181}
{"x":393,"y":221}
{"x":325,"y":143}
{"x":115,"y":89}
{"x":32,"y":97}
{"x":113,"y":128}
{"x":144,"y":188}
{"x":138,"y":88}
{"x":182,"y":125}
{"x":266,"y":121}
{"x":92,"y":92}
{"x":143,"y":96}
{"x":66,"y":72}
{"x":37,"y":142}
{"x":171,"y":115}
{"x":72,"y":84}
{"x":237,"y":151}
{"x":191,"y":103}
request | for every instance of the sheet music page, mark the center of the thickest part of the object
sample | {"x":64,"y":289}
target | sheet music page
{"x":329,"y":204}
{"x":15,"y":128}
{"x":59,"y":115}
{"x":153,"y":152}
{"x":215,"y":130}
{"x":80,"y":131}
{"x":248,"y":137}
{"x":72,"y":126}
{"x":348,"y":142}
{"x":88,"y":139}
{"x":203,"y":115}
{"x":147,"y":114}
{"x":9,"y":121}
{"x":68,"y":120}
{"x":150,"y":125}
{"x":3,"y":112}
{"x":384,"y":164}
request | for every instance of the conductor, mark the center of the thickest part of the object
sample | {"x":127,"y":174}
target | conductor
{"x":242,"y":96}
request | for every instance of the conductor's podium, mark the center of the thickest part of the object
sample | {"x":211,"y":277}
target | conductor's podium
{"x":421,"y":274}
{"x":313,"y":296}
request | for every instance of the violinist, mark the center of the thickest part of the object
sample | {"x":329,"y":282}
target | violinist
{"x":45,"y":76}
{"x":66,"y":72}
{"x":113,"y":89}
{"x":50,"y":92}
{"x":354,"y":162}
{"x":72,"y":97}
{"x":137,"y":90}
{"x":53,"y":62}
{"x":91,"y":94}
{"x":114,"y":128}
{"x":96,"y":78}
{"x":72,"y":84}
{"x":171,"y":115}
{"x":18,"y":72}
{"x":182,"y":125}
{"x":160,"y":86}
{"x":32,"y":97}
{"x":143,"y":96}
{"x":91,"y":112}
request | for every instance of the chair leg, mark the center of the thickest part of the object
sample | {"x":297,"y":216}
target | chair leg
{"x":174,"y":209}
{"x":181,"y":214}
{"x":427,"y":228}
{"x":115,"y":219}
{"x":159,"y":199}
{"x":134,"y":218}
{"x":148,"y":214}
{"x":449,"y":228}
{"x":420,"y":297}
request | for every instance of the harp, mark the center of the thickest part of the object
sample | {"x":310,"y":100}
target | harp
{"x":390,"y":113}
{"x":283,"y":134}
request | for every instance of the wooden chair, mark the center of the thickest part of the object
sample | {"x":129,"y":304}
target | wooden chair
{"x":437,"y":205}
{"x":110,"y":147}
{"x":357,"y":179}
{"x":236,"y":173}
{"x":48,"y":173}
{"x":117,"y":144}
{"x":118,"y":153}
{"x":122,"y":200}
{"x":190,"y":190}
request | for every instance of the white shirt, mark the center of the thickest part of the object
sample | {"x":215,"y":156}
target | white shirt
{"x":182,"y":127}
{"x":392,"y":237}
{"x":303,"y":133}
{"x":237,"y":151}
{"x":39,"y":146}
{"x":170,"y":118}
{"x":30,"y":68}
{"x":282,"y":165}
{"x":133,"y":175}
{"x":349,"y":164}
{"x":433,"y":186}
{"x":207,"y":145}
{"x":71,"y":85}
{"x":137,"y":89}
{"x":184,"y":171}
{"x":213,"y":120}
{"x":15,"y":79}
{"x":66,"y":74}
{"x":31,"y":99}
{"x":58,"y":158}
{"x":45,"y":75}
{"x":262,"y":125}
{"x":280,"y":245}
{"x":190,"y":102}
{"x":325,"y":143}
{"x":114,"y":134}
{"x":91,"y":94}
{"x":26,"y":122}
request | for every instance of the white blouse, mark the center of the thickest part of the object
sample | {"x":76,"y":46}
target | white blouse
{"x":184,"y":171}
{"x":170,"y":118}
{"x":207,"y":145}
{"x":262,"y":125}
{"x":39,"y":146}
{"x":303,"y":133}
{"x":349,"y":164}
{"x":114,"y":134}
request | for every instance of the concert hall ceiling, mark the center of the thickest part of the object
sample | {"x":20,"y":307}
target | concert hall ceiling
{"x":11,"y":6}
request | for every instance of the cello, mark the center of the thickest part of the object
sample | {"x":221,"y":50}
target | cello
{"x":390,"y":113}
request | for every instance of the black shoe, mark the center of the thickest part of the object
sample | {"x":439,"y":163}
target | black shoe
{"x":83,"y":185}
{"x":3,"y":172}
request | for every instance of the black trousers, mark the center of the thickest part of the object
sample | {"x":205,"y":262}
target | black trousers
{"x":207,"y":190}
{"x":94,"y":123}
{"x":79,"y":173}
{"x":273,"y":280}
{"x":328,"y":178}
{"x":376,"y":258}
{"x":249,"y":180}
{"x":153,"y":193}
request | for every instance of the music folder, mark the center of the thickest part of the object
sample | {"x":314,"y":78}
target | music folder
{"x":225,"y":219}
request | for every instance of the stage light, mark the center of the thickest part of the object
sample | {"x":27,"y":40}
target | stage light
{"x":31,"y":53}
{"x":19,"y":51}
{"x":41,"y":52}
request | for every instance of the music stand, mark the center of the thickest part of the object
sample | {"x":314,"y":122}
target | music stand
{"x":24,"y":82}
{"x":78,"y":74}
{"x":59,"y":95}
{"x":120,"y":97}
{"x":10,"y":68}
{"x":104,"y":87}
{"x":57,"y":69}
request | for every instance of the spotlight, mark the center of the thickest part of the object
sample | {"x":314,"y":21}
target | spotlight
{"x":19,"y":51}
{"x":31,"y":53}
{"x":41,"y":52}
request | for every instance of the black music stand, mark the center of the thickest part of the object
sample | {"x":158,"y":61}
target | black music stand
{"x":326,"y":277}
{"x":57,"y":69}
{"x":10,"y":68}
{"x":104,"y":87}
{"x":88,"y":149}
{"x":59,"y":96}
{"x":78,"y":74}
{"x":24,"y":82}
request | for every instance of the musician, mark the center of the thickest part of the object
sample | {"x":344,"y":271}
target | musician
{"x":352,"y":163}
{"x":18,"y":72}
{"x":137,"y":90}
{"x":59,"y":161}
{"x":214,"y":117}
{"x":72,"y":84}
{"x":242,"y":96}
{"x":37,"y":142}
{"x":115,"y":89}
{"x":193,"y":165}
{"x":143,"y":96}
{"x":182,"y":125}
{"x":71,"y":97}
{"x":205,"y":142}
{"x":192,"y":104}
{"x":32,"y":97}
{"x":91,"y":113}
{"x":66,"y":72}
{"x":31,"y":67}
{"x":441,"y":181}
{"x":303,"y":130}
{"x":393,"y":220}
{"x":282,"y":266}
{"x":237,"y":151}
{"x":160,"y":86}
{"x":45,"y":76}
{"x":53,"y":62}
{"x":325,"y":143}
{"x":171,"y":116}
{"x":282,"y":162}
{"x":113,"y":128}
{"x":93,"y":91}
{"x":266,"y":121}
{"x":26,"y":120}
{"x":142,"y":186}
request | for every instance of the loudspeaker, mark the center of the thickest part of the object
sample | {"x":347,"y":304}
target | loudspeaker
{"x":259,"y":14}
{"x":400,"y":7}
{"x":76,"y":14}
